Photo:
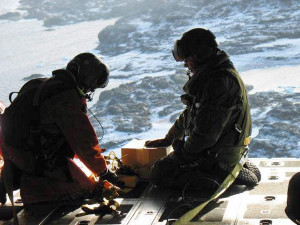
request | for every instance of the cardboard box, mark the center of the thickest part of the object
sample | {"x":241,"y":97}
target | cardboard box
{"x":141,"y":158}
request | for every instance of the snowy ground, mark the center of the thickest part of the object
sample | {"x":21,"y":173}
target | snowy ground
{"x":284,"y":80}
{"x":27,"y":47}
{"x":8,"y":6}
{"x":275,"y":79}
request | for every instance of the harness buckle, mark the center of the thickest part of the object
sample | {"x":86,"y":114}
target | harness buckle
{"x":237,"y":128}
{"x":244,"y":157}
{"x":213,"y":154}
{"x":194,"y":164}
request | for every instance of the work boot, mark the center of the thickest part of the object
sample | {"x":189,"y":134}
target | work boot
{"x":2,"y":192}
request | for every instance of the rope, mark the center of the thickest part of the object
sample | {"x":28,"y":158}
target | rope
{"x":98,"y":122}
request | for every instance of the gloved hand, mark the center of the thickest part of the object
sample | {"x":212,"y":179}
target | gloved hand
{"x":158,"y":143}
{"x":109,"y":176}
{"x":177,"y":147}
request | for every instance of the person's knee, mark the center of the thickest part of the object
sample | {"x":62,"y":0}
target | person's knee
{"x":156,"y":173}
{"x":163,"y":171}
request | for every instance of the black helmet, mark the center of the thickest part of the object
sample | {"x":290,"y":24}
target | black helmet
{"x":89,"y":71}
{"x":198,"y":42}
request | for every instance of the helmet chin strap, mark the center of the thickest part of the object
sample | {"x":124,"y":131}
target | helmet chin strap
{"x":89,"y":97}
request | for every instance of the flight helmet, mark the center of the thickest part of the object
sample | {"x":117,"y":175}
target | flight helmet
{"x":89,"y":71}
{"x":198,"y":42}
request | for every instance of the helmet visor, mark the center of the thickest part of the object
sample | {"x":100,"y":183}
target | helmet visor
{"x":177,"y":53}
{"x":102,"y":83}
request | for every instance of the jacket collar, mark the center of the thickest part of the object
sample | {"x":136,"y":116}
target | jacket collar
{"x":193,"y":85}
{"x":64,"y":76}
{"x":68,"y":79}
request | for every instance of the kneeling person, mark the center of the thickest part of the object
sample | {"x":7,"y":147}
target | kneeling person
{"x":45,"y":126}
{"x":213,"y":132}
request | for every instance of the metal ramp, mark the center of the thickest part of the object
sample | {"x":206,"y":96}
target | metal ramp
{"x":263,"y":205}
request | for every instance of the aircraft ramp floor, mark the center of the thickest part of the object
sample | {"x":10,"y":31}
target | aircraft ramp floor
{"x":147,"y":205}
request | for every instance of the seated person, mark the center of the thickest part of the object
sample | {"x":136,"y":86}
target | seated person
{"x":213,"y":132}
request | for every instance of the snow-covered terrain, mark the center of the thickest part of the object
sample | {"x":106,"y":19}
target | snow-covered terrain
{"x":134,"y":38}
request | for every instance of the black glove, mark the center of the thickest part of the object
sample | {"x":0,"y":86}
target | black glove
{"x":158,"y":143}
{"x":177,"y":147}
{"x":109,"y":176}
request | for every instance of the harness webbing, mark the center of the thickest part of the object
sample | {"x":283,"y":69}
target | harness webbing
{"x":187,"y":217}
{"x":35,"y":122}
{"x":243,"y":121}
{"x":242,"y":126}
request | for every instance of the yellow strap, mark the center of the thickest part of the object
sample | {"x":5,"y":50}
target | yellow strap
{"x":247,"y":140}
{"x":187,"y":217}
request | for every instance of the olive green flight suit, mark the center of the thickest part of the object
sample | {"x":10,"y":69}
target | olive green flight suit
{"x":211,"y":126}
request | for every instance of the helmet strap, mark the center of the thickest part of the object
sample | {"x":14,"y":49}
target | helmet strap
{"x":81,"y":93}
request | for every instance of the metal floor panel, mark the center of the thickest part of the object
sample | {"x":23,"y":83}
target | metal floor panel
{"x":262,"y":205}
